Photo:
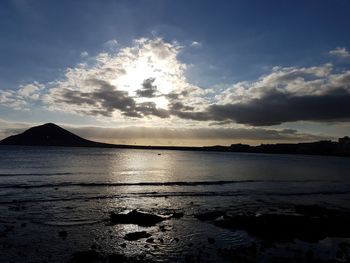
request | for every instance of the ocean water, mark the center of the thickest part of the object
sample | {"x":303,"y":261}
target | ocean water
{"x":45,"y":190}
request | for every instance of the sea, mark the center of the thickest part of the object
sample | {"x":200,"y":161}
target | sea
{"x":56,"y":201}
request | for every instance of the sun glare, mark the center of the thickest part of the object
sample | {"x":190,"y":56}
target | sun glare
{"x":141,"y":69}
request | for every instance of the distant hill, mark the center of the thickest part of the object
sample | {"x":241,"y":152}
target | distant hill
{"x":50,"y":134}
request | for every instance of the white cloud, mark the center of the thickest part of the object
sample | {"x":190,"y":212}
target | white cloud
{"x":294,"y":81}
{"x":196,"y":44}
{"x":340,"y":52}
{"x":23,"y":97}
{"x":120,"y":77}
{"x":111,"y":44}
{"x":31,"y":91}
{"x":84,"y":54}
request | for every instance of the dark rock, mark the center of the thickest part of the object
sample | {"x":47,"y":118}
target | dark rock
{"x":117,"y":258}
{"x":176,"y":239}
{"x":242,"y":254}
{"x":150,"y":240}
{"x":137,"y":218}
{"x":340,"y":255}
{"x":309,"y":225}
{"x":63,"y":234}
{"x":89,"y":256}
{"x":93,"y":246}
{"x":207,"y":216}
{"x":136,"y":235}
{"x":309,"y":255}
{"x":163,"y":228}
{"x":123,"y":245}
{"x":177,"y":215}
{"x":211,"y":240}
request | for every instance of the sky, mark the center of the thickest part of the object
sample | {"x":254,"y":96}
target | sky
{"x":162,"y":72}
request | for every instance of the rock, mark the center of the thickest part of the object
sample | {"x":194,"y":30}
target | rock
{"x":89,"y":256}
{"x":136,"y":235}
{"x":340,"y":255}
{"x":117,"y":258}
{"x":211,"y":240}
{"x":163,"y":228}
{"x":137,"y":218}
{"x":123,"y":245}
{"x":246,"y":254}
{"x":93,"y":246}
{"x":207,"y":216}
{"x":310,"y":225}
{"x":63,"y":234}
{"x":150,"y":240}
{"x":177,"y":215}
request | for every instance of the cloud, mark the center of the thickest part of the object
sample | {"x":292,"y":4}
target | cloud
{"x":134,"y":82}
{"x":196,"y":44}
{"x":84,"y":54}
{"x":285,"y":95}
{"x":111,"y":44}
{"x":148,"y":89}
{"x":276,"y":107}
{"x":147,"y":80}
{"x":340,"y":52}
{"x":23,"y":97}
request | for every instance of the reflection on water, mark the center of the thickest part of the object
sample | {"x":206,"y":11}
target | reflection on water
{"x":50,"y":189}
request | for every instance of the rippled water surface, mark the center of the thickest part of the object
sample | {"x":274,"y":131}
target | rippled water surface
{"x":47,"y":190}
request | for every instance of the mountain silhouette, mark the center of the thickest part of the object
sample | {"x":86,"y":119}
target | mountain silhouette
{"x":49,"y":134}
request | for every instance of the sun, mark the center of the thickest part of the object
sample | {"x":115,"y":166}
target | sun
{"x":144,"y":67}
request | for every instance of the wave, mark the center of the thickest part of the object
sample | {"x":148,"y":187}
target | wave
{"x":171,"y":194}
{"x":32,"y":174}
{"x":175,"y":183}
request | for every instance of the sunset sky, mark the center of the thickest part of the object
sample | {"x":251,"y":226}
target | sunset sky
{"x":161,"y":72}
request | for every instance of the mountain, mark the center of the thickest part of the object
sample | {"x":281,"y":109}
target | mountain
{"x":49,"y":134}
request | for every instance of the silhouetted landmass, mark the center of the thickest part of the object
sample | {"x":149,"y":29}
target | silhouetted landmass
{"x":341,"y":148}
{"x":52,"y":135}
{"x":48,"y":134}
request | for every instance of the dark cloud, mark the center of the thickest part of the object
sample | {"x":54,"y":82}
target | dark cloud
{"x":106,"y":99}
{"x":272,"y":108}
{"x":148,"y":89}
{"x":149,"y":108}
{"x":178,"y":106}
{"x":278,"y":107}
